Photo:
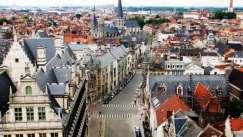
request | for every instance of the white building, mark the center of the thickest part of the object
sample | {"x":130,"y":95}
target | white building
{"x":50,"y":95}
{"x":30,"y":113}
{"x":193,"y":69}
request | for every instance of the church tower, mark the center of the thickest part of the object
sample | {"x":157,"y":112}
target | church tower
{"x":231,"y":8}
{"x":119,"y":9}
{"x":94,"y":24}
{"x":120,"y":18}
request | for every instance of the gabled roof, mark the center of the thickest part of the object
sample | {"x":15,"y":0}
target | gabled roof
{"x":235,"y":45}
{"x":210,"y":131}
{"x":172,"y":104}
{"x":239,"y":54}
{"x":131,"y":24}
{"x":221,"y":47}
{"x":236,"y":124}
{"x":205,"y":99}
{"x":30,"y":47}
{"x":111,"y":30}
{"x":202,"y":95}
{"x":56,"y":89}
{"x":63,"y":74}
{"x":118,"y":52}
{"x":236,"y":78}
{"x":106,"y":59}
{"x":187,"y":82}
{"x":184,"y":125}
{"x":179,"y":123}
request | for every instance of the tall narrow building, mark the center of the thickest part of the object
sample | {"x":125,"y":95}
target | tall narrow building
{"x":94,"y":24}
{"x":231,"y":8}
{"x":119,"y":9}
{"x":120,"y":18}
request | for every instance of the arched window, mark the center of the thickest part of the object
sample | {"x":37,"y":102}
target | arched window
{"x":28,"y":90}
{"x":179,"y":90}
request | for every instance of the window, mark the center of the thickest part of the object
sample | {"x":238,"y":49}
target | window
{"x":42,"y":134}
{"x":18,"y":114}
{"x":28,"y":90}
{"x":16,"y":60}
{"x":42,"y":113}
{"x":30,"y":113}
{"x":30,"y":135}
{"x":54,"y":134}
{"x":179,"y":90}
{"x":161,"y":89}
{"x":19,"y":135}
{"x":7,"y":135}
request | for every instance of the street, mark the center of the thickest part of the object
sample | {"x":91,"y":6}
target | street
{"x":120,"y":117}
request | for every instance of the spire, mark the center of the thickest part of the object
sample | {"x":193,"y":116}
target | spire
{"x":231,"y":7}
{"x":119,"y":9}
{"x":93,"y":9}
{"x":94,"y":22}
{"x":15,"y":35}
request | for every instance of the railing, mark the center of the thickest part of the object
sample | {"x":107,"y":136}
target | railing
{"x":72,"y":120}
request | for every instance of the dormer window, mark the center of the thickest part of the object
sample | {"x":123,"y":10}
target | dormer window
{"x":179,"y":90}
{"x":162,"y":88}
{"x":28,"y":90}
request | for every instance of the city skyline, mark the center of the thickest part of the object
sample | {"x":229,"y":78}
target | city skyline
{"x":159,"y":3}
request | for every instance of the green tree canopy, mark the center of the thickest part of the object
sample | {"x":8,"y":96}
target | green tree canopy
{"x":224,"y":15}
{"x":78,"y":16}
{"x":236,"y":108}
{"x":140,"y":20}
{"x":4,"y":20}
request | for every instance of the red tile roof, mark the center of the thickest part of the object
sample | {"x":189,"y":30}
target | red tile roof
{"x":236,"y":124}
{"x":210,"y":131}
{"x":172,"y":104}
{"x":202,"y":95}
{"x":205,"y":99}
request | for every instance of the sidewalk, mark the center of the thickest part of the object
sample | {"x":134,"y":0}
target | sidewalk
{"x":96,"y":127}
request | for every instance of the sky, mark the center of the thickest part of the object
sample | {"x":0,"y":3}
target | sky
{"x":187,"y":3}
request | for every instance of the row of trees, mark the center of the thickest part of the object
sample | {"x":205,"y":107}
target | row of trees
{"x":155,"y":21}
{"x":224,"y":15}
{"x":4,"y":20}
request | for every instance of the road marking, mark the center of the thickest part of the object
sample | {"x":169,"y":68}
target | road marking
{"x":114,"y":116}
{"x":119,"y":105}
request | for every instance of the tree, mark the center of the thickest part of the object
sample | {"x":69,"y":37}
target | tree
{"x":140,"y":20}
{"x":224,"y":15}
{"x":4,"y":20}
{"x":78,"y":16}
{"x":236,"y":108}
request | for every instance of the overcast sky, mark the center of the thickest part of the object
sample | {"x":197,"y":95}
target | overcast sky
{"x":215,"y":3}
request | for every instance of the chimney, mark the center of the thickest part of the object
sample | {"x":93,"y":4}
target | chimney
{"x":59,"y":45}
{"x":41,"y":56}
